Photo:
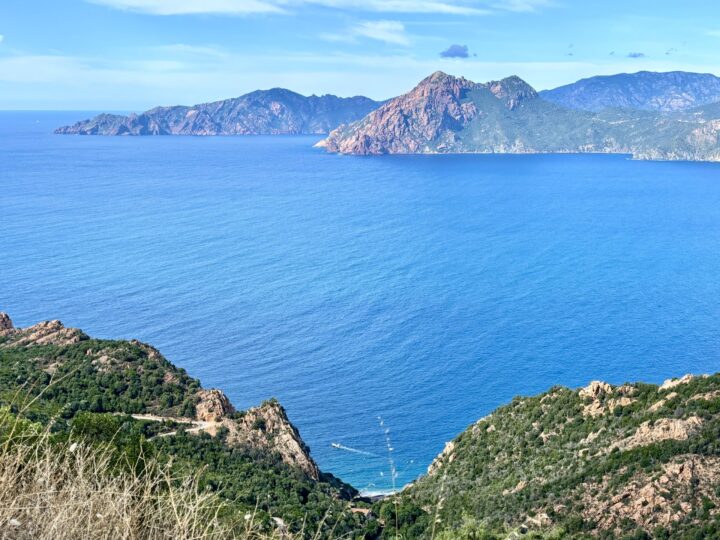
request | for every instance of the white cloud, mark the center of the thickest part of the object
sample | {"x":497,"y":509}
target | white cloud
{"x":2,"y":38}
{"x":452,"y":7}
{"x":386,"y":31}
{"x":713,"y":33}
{"x":66,"y":82}
{"x":392,"y":32}
{"x":192,"y":7}
{"x":245,"y":7}
{"x":521,"y":5}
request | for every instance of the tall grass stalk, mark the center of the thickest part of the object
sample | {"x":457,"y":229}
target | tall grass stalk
{"x":55,"y":491}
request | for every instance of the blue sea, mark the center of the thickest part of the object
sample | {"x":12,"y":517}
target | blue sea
{"x":421,"y":290}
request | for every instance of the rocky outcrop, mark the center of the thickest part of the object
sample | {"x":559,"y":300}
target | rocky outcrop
{"x":212,"y":406}
{"x":661,"y":430}
{"x":598,"y":400}
{"x":447,"y":114}
{"x":690,"y":480}
{"x":672,"y":383}
{"x":661,"y":403}
{"x":6,"y":324}
{"x":264,"y":112}
{"x":446,"y":456}
{"x":595,"y":390}
{"x":268,"y":428}
{"x":44,"y":333}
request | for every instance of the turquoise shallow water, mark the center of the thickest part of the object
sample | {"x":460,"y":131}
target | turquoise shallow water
{"x":425,"y":290}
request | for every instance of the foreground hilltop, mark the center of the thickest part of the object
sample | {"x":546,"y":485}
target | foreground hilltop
{"x":263,"y":112}
{"x":126,"y":394}
{"x":629,"y":461}
{"x":447,"y":114}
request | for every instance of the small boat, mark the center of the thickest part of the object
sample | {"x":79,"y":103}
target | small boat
{"x":336,"y":445}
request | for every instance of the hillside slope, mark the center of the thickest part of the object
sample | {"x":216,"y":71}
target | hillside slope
{"x":630,"y":461}
{"x":263,"y":112}
{"x":646,"y":91}
{"x":126,"y":394}
{"x":447,"y":114}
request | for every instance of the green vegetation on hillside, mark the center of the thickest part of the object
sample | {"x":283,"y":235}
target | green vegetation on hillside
{"x":631,"y":461}
{"x":580,"y":465}
{"x":119,"y":376}
{"x":84,"y":391}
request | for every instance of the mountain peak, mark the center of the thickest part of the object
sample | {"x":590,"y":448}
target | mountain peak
{"x":441,"y":78}
{"x":437,"y":76}
{"x":512,"y":90}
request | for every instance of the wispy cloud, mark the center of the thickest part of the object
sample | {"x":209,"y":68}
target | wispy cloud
{"x":97,"y":83}
{"x":193,"y":7}
{"x":713,"y":33}
{"x":2,"y":38}
{"x":386,"y":31}
{"x":449,"y":7}
{"x":521,"y":5}
{"x":246,"y":7}
{"x":392,"y":32}
{"x":456,"y":51}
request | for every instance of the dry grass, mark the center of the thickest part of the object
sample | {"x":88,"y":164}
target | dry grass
{"x":51,"y":491}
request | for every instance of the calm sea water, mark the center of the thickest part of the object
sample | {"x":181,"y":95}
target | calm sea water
{"x":425,"y":290}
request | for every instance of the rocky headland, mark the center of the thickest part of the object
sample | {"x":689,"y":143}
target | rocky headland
{"x":263,"y":112}
{"x":448,"y":114}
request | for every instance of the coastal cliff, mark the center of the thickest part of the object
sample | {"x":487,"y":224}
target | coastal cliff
{"x":447,"y":114}
{"x":263,"y":112}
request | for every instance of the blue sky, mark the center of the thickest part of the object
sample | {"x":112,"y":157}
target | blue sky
{"x":134,"y":54}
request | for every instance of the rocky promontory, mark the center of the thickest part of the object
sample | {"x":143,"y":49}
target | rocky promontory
{"x":448,"y":114}
{"x":263,"y":112}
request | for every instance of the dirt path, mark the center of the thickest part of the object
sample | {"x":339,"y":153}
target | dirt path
{"x":198,"y":425}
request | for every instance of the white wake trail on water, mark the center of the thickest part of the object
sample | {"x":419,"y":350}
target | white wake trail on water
{"x":353,"y":450}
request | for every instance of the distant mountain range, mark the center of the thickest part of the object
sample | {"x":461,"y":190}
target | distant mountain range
{"x":447,"y":114}
{"x":673,"y":116}
{"x":263,"y":112}
{"x":645,"y":91}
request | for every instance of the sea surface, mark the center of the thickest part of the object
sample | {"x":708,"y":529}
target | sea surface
{"x":421,"y":290}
